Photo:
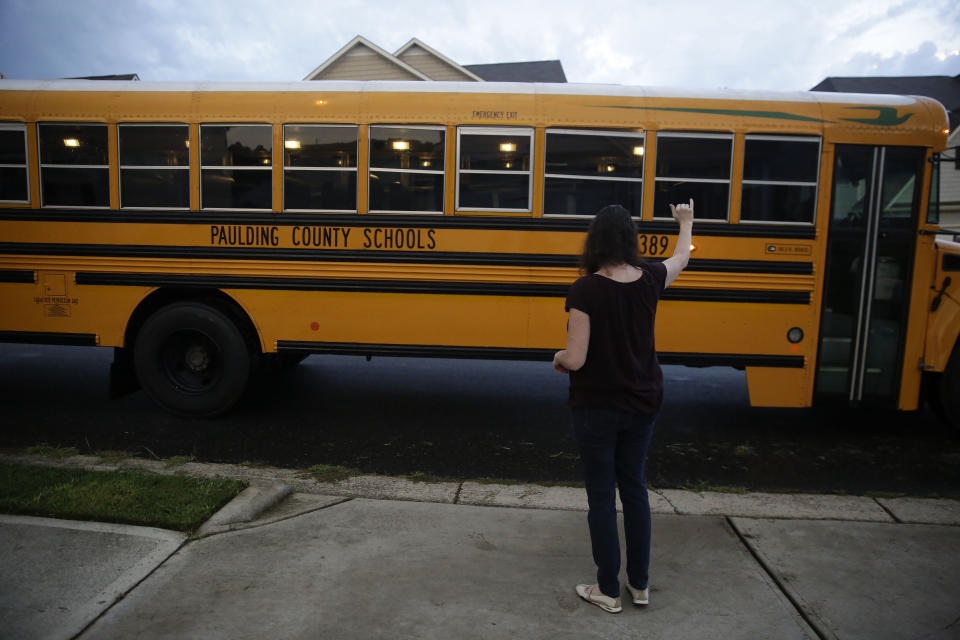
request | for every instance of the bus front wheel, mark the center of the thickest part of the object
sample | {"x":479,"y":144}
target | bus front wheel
{"x":192,"y":359}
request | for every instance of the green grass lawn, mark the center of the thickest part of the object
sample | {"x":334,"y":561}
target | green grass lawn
{"x":180,"y":503}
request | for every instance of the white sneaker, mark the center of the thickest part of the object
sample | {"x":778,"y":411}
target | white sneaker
{"x":592,"y":594}
{"x":640,"y":596}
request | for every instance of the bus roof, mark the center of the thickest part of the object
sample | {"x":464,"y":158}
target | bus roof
{"x":522,"y":88}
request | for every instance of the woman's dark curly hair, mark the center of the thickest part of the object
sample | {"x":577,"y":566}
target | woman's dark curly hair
{"x":611,"y":239}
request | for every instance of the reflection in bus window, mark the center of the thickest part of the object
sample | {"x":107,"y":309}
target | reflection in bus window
{"x":780,"y":179}
{"x":900,"y":190}
{"x":588,"y":170}
{"x":850,"y":185}
{"x":154,"y":166}
{"x":73,"y":165}
{"x":495,"y":169}
{"x":14,"y":184}
{"x":248,"y":152}
{"x":320,"y":167}
{"x":693,"y":165}
{"x":406,"y":169}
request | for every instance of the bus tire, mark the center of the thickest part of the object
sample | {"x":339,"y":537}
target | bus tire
{"x":192,"y":359}
{"x":948,"y":396}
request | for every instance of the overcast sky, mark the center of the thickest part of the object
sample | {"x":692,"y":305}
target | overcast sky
{"x":767,"y":44}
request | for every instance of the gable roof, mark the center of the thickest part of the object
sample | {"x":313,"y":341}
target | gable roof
{"x":415,"y":43}
{"x":122,"y":76}
{"x":360,"y":41}
{"x":944,"y":89}
{"x":539,"y":71}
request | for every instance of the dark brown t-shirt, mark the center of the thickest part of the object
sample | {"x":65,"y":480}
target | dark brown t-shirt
{"x":621,"y":371}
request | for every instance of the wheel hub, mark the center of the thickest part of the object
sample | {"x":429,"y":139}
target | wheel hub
{"x":197,"y":358}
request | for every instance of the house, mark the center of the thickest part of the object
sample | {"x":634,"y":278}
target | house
{"x":945,"y":89}
{"x":361,"y":59}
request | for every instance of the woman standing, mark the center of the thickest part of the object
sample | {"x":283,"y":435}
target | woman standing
{"x":616,"y":388}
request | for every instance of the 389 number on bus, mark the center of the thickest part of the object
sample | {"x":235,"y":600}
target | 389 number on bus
{"x":653,"y":245}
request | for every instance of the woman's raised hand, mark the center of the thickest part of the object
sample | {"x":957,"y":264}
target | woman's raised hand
{"x":682,"y":212}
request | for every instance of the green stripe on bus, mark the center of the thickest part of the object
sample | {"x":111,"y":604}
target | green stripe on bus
{"x":886,"y":117}
{"x":773,"y":115}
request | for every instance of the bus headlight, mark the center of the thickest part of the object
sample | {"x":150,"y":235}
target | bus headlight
{"x":795,"y":335}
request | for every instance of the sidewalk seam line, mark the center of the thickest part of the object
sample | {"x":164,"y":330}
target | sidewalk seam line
{"x":890,"y":513}
{"x":456,"y":497}
{"x":126,"y":593}
{"x":815,"y":625}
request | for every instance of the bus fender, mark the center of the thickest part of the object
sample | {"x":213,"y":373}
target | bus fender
{"x":943,"y":318}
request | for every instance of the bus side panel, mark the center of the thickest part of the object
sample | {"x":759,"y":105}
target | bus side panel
{"x":777,"y":387}
{"x":56,"y":305}
{"x":735,"y":327}
{"x":923,"y":273}
{"x":747,"y":329}
{"x":386,"y":318}
{"x":943,"y":325}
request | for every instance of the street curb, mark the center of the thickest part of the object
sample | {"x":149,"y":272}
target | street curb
{"x":245,"y":507}
{"x":272,"y":485}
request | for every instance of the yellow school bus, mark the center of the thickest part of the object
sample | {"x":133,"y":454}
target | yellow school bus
{"x":202,"y":229}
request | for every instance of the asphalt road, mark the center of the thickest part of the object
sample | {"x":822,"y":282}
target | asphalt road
{"x":473,"y":418}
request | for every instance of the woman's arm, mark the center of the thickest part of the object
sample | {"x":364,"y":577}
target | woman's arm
{"x":578,"y":339}
{"x":676,"y":263}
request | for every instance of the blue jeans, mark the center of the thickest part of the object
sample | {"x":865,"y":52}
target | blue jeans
{"x":613,"y":452}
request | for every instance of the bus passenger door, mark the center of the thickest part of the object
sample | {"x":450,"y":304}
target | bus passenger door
{"x":870,"y":248}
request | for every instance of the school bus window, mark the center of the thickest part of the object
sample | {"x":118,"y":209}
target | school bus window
{"x":154,"y":166}
{"x":494,"y":169}
{"x":14,"y":184}
{"x":587,"y":170}
{"x":73,"y":165}
{"x":900,"y":196}
{"x":693,"y":165}
{"x":320,"y":167}
{"x":780,"y":179}
{"x":406,"y":169}
{"x":246,"y":150}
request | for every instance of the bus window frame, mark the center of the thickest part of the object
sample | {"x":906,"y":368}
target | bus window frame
{"x":815,"y":184}
{"x":273,"y":163}
{"x":41,"y":166}
{"x":22,"y":127}
{"x":586,"y":132}
{"x":355,"y":169}
{"x":711,"y":135}
{"x":933,"y":203}
{"x":121,"y":167}
{"x":496,"y":131}
{"x":443,"y":171}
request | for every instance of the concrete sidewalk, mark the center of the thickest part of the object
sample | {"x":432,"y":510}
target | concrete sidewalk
{"x":308,"y":565}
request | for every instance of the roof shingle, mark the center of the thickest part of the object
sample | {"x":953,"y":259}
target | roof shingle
{"x":539,"y":71}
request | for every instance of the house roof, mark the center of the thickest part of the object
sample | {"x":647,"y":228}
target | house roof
{"x":414,"y":42}
{"x":360,"y":41}
{"x":944,"y":89}
{"x":122,"y":76}
{"x":539,"y":71}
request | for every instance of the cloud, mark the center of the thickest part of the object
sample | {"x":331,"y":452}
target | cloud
{"x":925,"y":60}
{"x":694,"y":43}
{"x":607,"y":64}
